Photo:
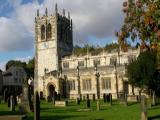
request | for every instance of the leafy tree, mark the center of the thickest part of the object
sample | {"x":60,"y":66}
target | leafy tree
{"x":142,"y":72}
{"x":142,"y":23}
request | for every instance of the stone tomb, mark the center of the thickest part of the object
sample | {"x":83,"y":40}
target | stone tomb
{"x":132,"y":98}
{"x":61,"y":103}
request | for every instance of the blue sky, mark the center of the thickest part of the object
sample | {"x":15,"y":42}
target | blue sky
{"x":94,"y":23}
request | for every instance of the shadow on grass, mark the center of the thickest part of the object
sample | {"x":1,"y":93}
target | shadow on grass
{"x":157,"y":117}
{"x":55,"y":117}
{"x":9,"y":113}
{"x":45,"y":109}
{"x":154,"y":108}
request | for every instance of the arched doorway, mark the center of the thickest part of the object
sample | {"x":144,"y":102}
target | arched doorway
{"x":51,"y":91}
{"x":52,"y":94}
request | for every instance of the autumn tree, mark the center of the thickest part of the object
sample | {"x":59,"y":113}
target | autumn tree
{"x":141,"y":23}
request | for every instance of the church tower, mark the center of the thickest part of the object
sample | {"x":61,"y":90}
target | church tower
{"x":53,"y":40}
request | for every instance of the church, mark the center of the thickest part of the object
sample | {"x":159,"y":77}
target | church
{"x":59,"y":72}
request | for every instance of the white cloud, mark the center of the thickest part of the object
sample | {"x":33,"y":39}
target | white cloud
{"x":2,"y":66}
{"x":96,"y":18}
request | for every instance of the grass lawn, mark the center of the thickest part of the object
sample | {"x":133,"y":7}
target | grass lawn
{"x":107,"y":112}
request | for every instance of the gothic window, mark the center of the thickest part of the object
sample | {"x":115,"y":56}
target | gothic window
{"x":106,"y":83}
{"x":81,"y":63}
{"x":87,"y":85}
{"x":42,"y":32}
{"x":113,"y":60}
{"x":49,"y":31}
{"x":66,"y":65}
{"x":96,"y":62}
{"x":71,"y":84}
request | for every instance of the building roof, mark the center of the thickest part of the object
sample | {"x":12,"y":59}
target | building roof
{"x":7,"y":74}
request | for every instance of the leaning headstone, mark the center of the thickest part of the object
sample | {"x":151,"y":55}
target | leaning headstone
{"x":143,"y":108}
{"x":88,"y":103}
{"x":36,"y":106}
{"x":12,"y":104}
{"x":98,"y":105}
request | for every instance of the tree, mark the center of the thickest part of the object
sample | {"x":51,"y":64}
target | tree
{"x":142,"y":21}
{"x":142,"y":72}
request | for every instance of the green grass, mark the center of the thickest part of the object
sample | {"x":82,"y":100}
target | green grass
{"x":107,"y":112}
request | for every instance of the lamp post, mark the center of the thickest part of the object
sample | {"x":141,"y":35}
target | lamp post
{"x":78,"y":79}
{"x":116,"y":77}
{"x":97,"y":87}
{"x":97,"y":81}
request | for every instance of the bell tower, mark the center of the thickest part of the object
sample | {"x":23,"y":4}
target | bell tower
{"x":53,"y":40}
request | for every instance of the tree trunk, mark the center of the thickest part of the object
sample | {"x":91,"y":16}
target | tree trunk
{"x":117,"y":86}
{"x":133,"y":90}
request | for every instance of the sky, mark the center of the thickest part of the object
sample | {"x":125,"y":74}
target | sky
{"x":94,"y":23}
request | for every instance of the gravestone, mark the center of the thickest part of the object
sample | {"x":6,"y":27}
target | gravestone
{"x":110,"y":98}
{"x":143,"y":108}
{"x":87,"y":96}
{"x":104,"y":98}
{"x":5,"y":95}
{"x":94,"y":97}
{"x":12,"y":104}
{"x":98,"y":105}
{"x":78,"y":101}
{"x":123,"y":98}
{"x":88,"y":103}
{"x":24,"y":106}
{"x":8,"y":102}
{"x":84,"y":98}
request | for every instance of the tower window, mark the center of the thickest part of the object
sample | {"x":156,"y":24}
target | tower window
{"x":42,"y":32}
{"x":49,"y":31}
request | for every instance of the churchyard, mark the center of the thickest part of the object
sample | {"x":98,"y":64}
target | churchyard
{"x":74,"y":111}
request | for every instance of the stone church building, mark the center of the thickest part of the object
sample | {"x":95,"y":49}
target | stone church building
{"x":59,"y":72}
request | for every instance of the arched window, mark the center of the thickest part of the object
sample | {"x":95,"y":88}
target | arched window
{"x":49,"y":31}
{"x":42,"y":32}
